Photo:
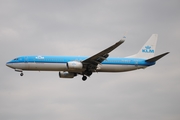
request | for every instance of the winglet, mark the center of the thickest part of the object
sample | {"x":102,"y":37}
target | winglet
{"x":124,"y":37}
{"x":154,"y":59}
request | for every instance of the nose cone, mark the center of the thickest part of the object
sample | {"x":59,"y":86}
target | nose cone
{"x":9,"y":64}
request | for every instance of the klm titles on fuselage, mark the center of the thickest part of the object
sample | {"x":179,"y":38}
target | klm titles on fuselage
{"x":39,"y":57}
{"x":148,"y":49}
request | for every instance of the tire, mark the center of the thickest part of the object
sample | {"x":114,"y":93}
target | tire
{"x":21,"y":74}
{"x":84,"y":78}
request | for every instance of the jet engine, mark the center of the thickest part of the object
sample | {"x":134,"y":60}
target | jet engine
{"x":67,"y":75}
{"x":74,"y":65}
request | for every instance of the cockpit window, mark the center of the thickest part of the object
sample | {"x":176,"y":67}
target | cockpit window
{"x":16,"y":59}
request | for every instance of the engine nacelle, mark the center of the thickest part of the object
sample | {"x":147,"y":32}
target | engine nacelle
{"x":66,"y":75}
{"x":74,"y":65}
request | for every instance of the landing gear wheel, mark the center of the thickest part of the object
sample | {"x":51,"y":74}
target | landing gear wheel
{"x":84,"y":78}
{"x":21,"y":74}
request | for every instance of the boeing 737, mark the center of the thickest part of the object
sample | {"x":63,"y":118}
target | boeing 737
{"x":71,"y":66}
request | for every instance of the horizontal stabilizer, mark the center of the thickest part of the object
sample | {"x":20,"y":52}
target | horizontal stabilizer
{"x":154,"y":59}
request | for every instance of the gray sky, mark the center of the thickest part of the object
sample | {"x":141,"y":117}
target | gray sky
{"x":68,"y":27}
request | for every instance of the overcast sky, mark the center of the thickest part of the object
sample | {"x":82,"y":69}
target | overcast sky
{"x":80,"y":27}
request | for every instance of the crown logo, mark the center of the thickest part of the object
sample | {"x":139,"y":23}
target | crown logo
{"x":148,"y":47}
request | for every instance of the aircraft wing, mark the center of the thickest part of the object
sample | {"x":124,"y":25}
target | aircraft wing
{"x":92,"y":62}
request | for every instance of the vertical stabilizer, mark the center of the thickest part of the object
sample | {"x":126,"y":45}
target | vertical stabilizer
{"x":148,"y":50}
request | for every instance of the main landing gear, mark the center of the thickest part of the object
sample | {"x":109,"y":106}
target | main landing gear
{"x":85,"y":74}
{"x":21,"y":74}
{"x":84,"y":78}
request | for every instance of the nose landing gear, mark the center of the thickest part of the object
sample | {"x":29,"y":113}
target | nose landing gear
{"x":19,"y":70}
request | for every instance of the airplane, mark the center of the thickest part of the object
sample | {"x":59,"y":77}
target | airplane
{"x":71,"y":66}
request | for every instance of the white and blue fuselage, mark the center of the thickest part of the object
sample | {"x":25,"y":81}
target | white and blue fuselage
{"x":59,"y":63}
{"x":71,"y":66}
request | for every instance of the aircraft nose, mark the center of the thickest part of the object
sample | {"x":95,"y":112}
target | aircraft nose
{"x":9,"y":64}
